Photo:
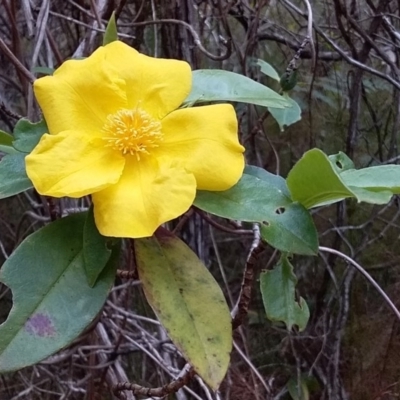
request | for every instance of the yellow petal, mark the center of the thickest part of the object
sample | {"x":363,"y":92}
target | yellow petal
{"x":205,"y":141}
{"x":73,"y":164}
{"x":81,"y":94}
{"x":149,"y":193}
{"x":157,"y":85}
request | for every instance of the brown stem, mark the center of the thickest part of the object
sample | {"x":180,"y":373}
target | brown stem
{"x":219,"y":226}
{"x":247,"y":284}
{"x":124,"y":274}
{"x":162,"y":391}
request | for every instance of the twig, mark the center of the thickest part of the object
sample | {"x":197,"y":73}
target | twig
{"x":182,"y":221}
{"x":366,"y":275}
{"x":263,"y":381}
{"x":162,"y":391}
{"x":242,"y":306}
{"x":20,"y":67}
{"x":310,"y":34}
{"x":219,"y":226}
{"x":8,"y":112}
{"x":195,"y":36}
{"x":124,"y":274}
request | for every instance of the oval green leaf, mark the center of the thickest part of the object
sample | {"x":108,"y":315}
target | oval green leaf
{"x":278,"y":293}
{"x":313,"y":181}
{"x":188,"y":302}
{"x":218,"y":85}
{"x":5,"y":138}
{"x":317,"y":180}
{"x":268,"y":69}
{"x":13,"y":178}
{"x":286,"y":116}
{"x":96,"y":249}
{"x":6,"y":143}
{"x":27,"y":134}
{"x":264,"y":198}
{"x":52,"y":302}
{"x":376,"y":179}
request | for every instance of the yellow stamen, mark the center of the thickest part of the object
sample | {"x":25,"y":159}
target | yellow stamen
{"x":132,"y":132}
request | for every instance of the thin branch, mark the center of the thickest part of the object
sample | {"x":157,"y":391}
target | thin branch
{"x":196,"y":37}
{"x":221,"y":227}
{"x":242,"y":306}
{"x":20,"y":67}
{"x":366,"y":275}
{"x":162,"y":391}
{"x":343,"y":53}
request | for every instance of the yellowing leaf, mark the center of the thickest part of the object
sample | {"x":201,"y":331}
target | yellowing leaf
{"x":188,"y":302}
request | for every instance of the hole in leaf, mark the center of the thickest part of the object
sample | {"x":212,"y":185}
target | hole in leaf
{"x":280,"y":210}
{"x":266,"y":223}
{"x":5,"y":302}
{"x":339,"y":164}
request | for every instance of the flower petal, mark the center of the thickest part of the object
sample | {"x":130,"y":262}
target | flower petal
{"x":205,"y":141}
{"x":73,"y":164}
{"x":149,"y":193}
{"x":81,"y":94}
{"x":157,"y":85}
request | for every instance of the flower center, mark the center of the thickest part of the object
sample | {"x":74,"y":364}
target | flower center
{"x":132,"y":132}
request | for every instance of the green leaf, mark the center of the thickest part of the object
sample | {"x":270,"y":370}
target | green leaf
{"x":53,"y":303}
{"x":27,"y":134}
{"x":96,"y":249}
{"x":218,"y":85}
{"x":341,"y":161}
{"x":313,"y":181}
{"x":370,"y":196}
{"x":111,"y":33}
{"x":293,"y":388}
{"x":6,"y":143}
{"x":43,"y":70}
{"x":5,"y":138}
{"x":376,"y":179}
{"x":268,"y":69}
{"x":288,"y":80}
{"x":188,"y":302}
{"x":274,"y":180}
{"x":286,"y":116}
{"x":317,"y":179}
{"x":278,"y":293}
{"x":13,"y":178}
{"x":264,"y":198}
{"x":8,"y":149}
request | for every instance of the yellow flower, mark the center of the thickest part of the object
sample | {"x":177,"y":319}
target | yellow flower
{"x":115,"y":132}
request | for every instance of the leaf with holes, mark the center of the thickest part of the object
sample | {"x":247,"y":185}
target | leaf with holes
{"x":317,"y":180}
{"x":52,"y":301}
{"x":341,"y":162}
{"x":278,"y":293}
{"x":217,"y":85}
{"x":188,"y":302}
{"x":262,"y":197}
